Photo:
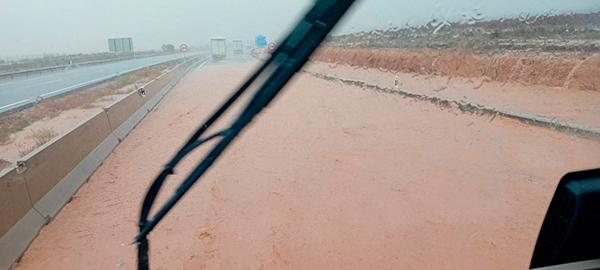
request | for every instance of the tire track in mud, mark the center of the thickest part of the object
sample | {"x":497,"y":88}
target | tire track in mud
{"x":478,"y":109}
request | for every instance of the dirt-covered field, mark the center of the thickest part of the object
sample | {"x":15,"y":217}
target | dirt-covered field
{"x":548,"y":50}
{"x":578,"y":72}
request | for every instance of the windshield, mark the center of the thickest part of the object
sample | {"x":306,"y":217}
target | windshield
{"x":418,"y":135}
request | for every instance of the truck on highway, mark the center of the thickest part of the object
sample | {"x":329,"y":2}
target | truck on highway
{"x":218,"y":47}
{"x":238,"y":47}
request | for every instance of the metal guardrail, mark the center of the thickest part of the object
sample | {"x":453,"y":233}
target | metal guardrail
{"x":25,"y":73}
{"x":27,"y":103}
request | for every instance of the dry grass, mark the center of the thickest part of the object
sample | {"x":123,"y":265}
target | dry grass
{"x":23,"y":152}
{"x":4,"y":164}
{"x":40,"y":137}
{"x":85,"y":99}
{"x":108,"y":98}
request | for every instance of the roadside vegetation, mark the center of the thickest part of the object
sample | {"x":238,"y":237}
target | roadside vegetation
{"x":86,"y":99}
{"x":39,"y":137}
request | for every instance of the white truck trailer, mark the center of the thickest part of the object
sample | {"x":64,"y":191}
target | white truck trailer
{"x":238,"y":47}
{"x":219,"y":47}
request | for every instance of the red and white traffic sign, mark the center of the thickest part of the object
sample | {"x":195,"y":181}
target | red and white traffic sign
{"x":183,"y":47}
{"x":272,"y":46}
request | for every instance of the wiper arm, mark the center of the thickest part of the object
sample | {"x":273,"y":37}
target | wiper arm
{"x":291,"y":55}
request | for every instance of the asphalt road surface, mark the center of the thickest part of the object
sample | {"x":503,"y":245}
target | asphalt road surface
{"x":231,"y":59}
{"x":21,"y":91}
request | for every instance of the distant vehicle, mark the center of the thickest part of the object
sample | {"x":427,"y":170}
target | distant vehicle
{"x":238,"y":48}
{"x":218,"y":47}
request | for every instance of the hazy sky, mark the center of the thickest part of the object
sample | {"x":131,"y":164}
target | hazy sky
{"x":33,"y":27}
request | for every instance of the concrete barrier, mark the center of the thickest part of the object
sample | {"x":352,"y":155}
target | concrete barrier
{"x":45,"y":179}
{"x":152,"y":87}
{"x":124,"y":114}
{"x":53,"y":201}
{"x":46,"y":166}
{"x":158,"y":84}
{"x":19,"y":222}
{"x":22,"y":73}
{"x":160,"y":87}
{"x":14,"y":200}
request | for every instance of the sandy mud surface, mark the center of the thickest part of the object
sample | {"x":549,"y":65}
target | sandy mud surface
{"x":330,"y":176}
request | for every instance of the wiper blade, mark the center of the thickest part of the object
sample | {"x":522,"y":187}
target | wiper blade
{"x":291,"y":55}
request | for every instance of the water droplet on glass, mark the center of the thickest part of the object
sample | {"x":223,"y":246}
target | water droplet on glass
{"x":523,"y":16}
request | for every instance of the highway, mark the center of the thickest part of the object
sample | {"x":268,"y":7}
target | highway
{"x":21,"y":91}
{"x":232,"y":58}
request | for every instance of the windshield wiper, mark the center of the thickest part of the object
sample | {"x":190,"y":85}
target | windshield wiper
{"x":291,"y":55}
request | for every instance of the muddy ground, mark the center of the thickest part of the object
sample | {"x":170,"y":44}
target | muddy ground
{"x":561,"y":104}
{"x":570,"y":71}
{"x":330,"y":176}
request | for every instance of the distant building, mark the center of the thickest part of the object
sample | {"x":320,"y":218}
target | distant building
{"x":117,"y":45}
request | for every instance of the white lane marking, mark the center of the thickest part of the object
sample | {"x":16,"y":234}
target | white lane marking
{"x":77,"y":85}
{"x":244,"y":55}
{"x":20,"y":81}
{"x":49,"y":82}
{"x":205,"y":61}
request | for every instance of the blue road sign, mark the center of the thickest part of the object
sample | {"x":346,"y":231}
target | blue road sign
{"x":261,"y":41}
